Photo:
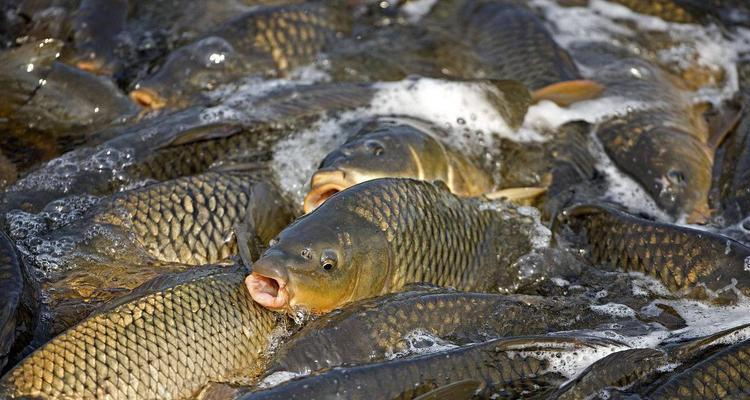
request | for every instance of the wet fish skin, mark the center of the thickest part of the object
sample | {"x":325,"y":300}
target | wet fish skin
{"x":664,"y":146}
{"x":511,"y":42}
{"x":618,"y":369}
{"x":398,"y":148}
{"x":491,"y":363}
{"x":269,"y":41}
{"x":98,"y":28}
{"x":721,"y":375}
{"x":387,"y":233}
{"x":149,"y":346}
{"x":11,"y":285}
{"x":733,"y":159}
{"x":373,"y":329}
{"x":683,"y":259}
{"x":138,"y":234}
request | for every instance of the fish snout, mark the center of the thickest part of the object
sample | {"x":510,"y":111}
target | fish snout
{"x":268,"y":284}
{"x":148,"y":98}
{"x":324,"y":184}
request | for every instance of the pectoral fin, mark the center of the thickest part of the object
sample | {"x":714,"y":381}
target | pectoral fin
{"x":568,"y":92}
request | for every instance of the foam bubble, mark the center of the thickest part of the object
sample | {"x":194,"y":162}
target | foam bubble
{"x":614,"y":309}
{"x":420,"y":342}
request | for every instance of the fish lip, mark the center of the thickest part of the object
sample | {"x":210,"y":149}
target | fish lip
{"x":270,"y":292}
{"x":324,"y":184}
{"x":147,"y":98}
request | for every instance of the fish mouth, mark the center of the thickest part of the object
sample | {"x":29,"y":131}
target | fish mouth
{"x":324,"y":184}
{"x":267,"y":291}
{"x":94,"y":66}
{"x":148,"y":98}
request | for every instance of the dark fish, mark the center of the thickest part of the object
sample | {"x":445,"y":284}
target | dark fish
{"x":719,"y":376}
{"x":374,"y":329}
{"x":733,"y":164}
{"x":508,"y":367}
{"x":376,"y":237}
{"x":685,"y":260}
{"x":53,"y":98}
{"x":169,"y":339}
{"x":8,"y":172}
{"x":11,"y":285}
{"x":269,"y":41}
{"x":98,"y":29}
{"x":509,"y":42}
{"x":619,"y":369}
{"x":187,"y":142}
{"x":665,"y":145}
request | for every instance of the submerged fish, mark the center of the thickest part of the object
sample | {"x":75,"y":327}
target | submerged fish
{"x":399,"y":148}
{"x":269,"y":41}
{"x":98,"y":29}
{"x":685,"y":260}
{"x":509,"y":42}
{"x":11,"y":285}
{"x":168,"y":339}
{"x":508,"y":368}
{"x":374,"y":329}
{"x":664,"y":144}
{"x":377,"y":236}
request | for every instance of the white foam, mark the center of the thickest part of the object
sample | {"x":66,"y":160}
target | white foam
{"x":277,"y":378}
{"x":416,"y":9}
{"x":420,"y":342}
{"x":570,"y":363}
{"x":614,"y":309}
{"x":704,"y":319}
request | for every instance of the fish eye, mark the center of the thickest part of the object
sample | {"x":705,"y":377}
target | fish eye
{"x":375,"y":147}
{"x":329,"y":259}
{"x":306,"y":253}
{"x":273,"y":242}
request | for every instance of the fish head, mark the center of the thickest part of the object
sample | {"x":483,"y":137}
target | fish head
{"x":392,"y":151}
{"x":679,"y":170}
{"x":187,"y":72}
{"x":322,"y":261}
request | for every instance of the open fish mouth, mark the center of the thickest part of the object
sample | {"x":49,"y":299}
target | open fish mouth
{"x":324,"y":184}
{"x":268,"y":292}
{"x":148,"y":98}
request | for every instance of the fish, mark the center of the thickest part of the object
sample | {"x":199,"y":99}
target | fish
{"x":507,"y":40}
{"x":168,"y":339}
{"x":186,"y":142}
{"x":509,"y":367}
{"x":98,"y":29}
{"x":269,"y":41}
{"x":619,"y":369}
{"x":400,"y":148}
{"x":53,"y":98}
{"x":373,"y":329}
{"x":721,"y":375}
{"x":138,"y":234}
{"x":733,"y":163}
{"x":666,"y":145}
{"x":12,"y":285}
{"x":379,"y":235}
{"x":687,"y":261}
{"x":682,"y":11}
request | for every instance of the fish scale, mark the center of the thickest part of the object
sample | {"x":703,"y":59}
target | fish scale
{"x":168,"y":343}
{"x":178,"y":221}
{"x":721,"y":375}
{"x":681,"y":258}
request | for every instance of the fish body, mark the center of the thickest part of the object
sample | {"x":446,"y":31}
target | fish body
{"x":398,"y":148}
{"x":500,"y":366}
{"x":718,"y":376}
{"x":373,"y":329}
{"x":268,"y":41}
{"x":664,"y":145}
{"x":137,"y":235}
{"x":98,"y":28}
{"x":11,"y":285}
{"x":186,"y":330}
{"x":685,"y":260}
{"x":377,"y":236}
